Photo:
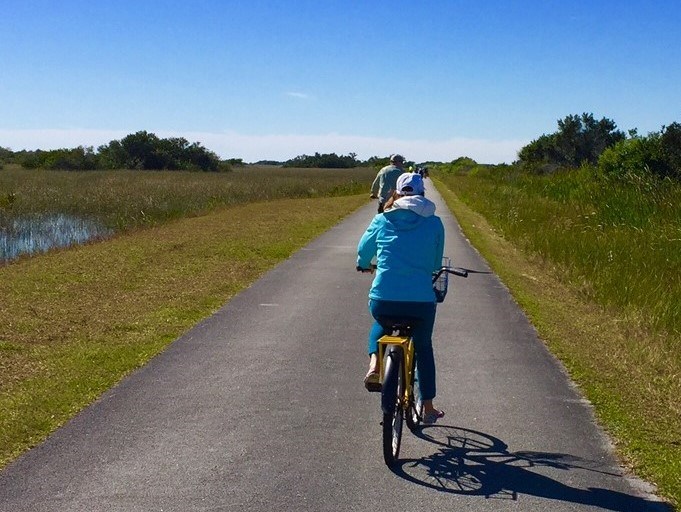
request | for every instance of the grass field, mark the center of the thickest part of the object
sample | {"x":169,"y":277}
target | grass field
{"x":124,"y":200}
{"x":597,"y":269}
{"x":78,"y":320}
{"x":74,"y":322}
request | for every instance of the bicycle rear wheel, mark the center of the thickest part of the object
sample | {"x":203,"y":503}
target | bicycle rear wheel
{"x":391,"y":402}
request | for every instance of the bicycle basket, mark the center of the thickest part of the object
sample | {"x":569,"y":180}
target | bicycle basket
{"x":441,"y":283}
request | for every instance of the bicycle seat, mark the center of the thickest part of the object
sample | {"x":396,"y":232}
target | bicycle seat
{"x":398,"y":323}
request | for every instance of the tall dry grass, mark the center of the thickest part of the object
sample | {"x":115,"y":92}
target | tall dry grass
{"x":123,"y":200}
{"x":598,"y":272}
{"x":617,"y":241}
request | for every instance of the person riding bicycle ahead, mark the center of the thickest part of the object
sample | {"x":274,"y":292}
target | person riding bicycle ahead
{"x":384,"y":183}
{"x":408,"y":243}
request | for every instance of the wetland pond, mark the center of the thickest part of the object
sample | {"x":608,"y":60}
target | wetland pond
{"x":37,"y":234}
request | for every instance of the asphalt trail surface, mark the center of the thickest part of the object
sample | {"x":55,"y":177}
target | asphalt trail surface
{"x":261,"y":407}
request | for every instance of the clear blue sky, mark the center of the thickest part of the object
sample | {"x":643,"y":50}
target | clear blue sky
{"x":272,"y":80}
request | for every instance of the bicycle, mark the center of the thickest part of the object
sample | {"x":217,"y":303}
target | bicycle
{"x":397,"y":369}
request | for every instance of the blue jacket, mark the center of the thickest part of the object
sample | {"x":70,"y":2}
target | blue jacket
{"x":408,"y":243}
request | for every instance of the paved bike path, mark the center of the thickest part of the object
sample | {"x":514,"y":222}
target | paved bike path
{"x":261,"y":407}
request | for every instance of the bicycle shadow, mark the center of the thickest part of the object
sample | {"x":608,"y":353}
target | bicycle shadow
{"x":477,"y":464}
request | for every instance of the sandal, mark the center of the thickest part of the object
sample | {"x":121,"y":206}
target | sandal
{"x":431,"y":417}
{"x":372,"y":381}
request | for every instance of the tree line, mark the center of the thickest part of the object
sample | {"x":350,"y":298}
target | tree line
{"x":141,"y":150}
{"x":324,"y":161}
{"x":581,"y":139}
{"x":331,"y":161}
{"x":146,"y":151}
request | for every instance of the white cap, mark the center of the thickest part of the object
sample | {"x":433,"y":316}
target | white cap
{"x":410,"y":184}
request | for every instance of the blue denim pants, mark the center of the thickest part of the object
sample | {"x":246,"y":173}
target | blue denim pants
{"x":422,"y":335}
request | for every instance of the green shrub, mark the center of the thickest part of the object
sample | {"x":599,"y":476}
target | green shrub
{"x":579,"y":139}
{"x":631,"y":156}
{"x":462,"y":165}
{"x":324,"y":161}
{"x":658,"y":154}
{"x":670,"y":148}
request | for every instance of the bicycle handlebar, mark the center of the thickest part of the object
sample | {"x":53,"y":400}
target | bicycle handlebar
{"x":461,"y":272}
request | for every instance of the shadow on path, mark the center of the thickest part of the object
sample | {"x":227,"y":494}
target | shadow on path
{"x":477,"y":464}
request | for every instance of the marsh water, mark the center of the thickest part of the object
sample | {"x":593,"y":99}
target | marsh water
{"x":31,"y":235}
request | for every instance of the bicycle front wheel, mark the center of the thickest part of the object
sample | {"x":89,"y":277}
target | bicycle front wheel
{"x":391,"y":402}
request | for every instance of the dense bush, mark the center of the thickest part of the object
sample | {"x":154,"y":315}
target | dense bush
{"x":6,"y":155}
{"x":631,"y":156}
{"x":658,"y":153}
{"x":268,"y":162}
{"x":579,"y":140}
{"x":143,"y":150}
{"x":377,"y":162}
{"x":76,"y":159}
{"x":463,"y":166}
{"x":670,"y":142}
{"x":324,"y":161}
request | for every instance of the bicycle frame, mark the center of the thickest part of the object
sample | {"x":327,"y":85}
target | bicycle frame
{"x":407,"y":345}
{"x":398,"y":397}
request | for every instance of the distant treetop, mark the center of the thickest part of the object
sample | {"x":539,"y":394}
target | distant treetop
{"x":324,"y":161}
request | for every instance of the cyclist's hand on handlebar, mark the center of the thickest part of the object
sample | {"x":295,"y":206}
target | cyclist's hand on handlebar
{"x":366,"y":270}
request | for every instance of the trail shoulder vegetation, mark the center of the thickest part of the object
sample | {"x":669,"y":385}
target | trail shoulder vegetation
{"x":81,"y":319}
{"x":594,"y":258}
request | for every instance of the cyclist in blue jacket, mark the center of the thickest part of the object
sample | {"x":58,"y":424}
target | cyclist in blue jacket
{"x":407,"y":241}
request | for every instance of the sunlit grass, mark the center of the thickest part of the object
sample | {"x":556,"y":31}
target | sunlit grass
{"x":619,"y":242}
{"x":123,"y":200}
{"x":73,"y":322}
{"x":595,"y":264}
